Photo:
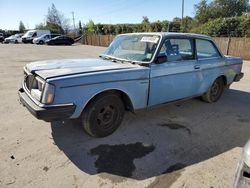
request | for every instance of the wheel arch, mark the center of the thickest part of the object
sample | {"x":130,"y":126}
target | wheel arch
{"x":224,"y":78}
{"x":124,"y":97}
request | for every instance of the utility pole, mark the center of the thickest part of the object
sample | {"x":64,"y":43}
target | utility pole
{"x":73,"y":16}
{"x":182,"y":13}
{"x":169,"y":25}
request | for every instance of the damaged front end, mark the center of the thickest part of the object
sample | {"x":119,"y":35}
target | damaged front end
{"x":242,"y":178}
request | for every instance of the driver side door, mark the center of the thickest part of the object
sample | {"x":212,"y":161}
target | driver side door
{"x":179,"y":76}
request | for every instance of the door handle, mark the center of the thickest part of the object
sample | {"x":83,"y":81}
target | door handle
{"x":197,"y":67}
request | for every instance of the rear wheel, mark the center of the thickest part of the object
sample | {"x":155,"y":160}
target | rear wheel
{"x":103,"y":115}
{"x":215,"y":91}
{"x":41,"y":42}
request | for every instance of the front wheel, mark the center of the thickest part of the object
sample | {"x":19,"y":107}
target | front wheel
{"x":214,"y":92}
{"x":103,"y":115}
{"x":41,"y":42}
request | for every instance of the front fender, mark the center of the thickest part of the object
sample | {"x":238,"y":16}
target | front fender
{"x":136,"y":90}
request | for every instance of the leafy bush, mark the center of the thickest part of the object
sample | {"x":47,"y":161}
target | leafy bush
{"x":232,"y":26}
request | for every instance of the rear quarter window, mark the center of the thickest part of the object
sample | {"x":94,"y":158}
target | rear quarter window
{"x":206,"y":49}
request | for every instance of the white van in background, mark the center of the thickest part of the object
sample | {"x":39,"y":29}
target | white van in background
{"x":31,"y":34}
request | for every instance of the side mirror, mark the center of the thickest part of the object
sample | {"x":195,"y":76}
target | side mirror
{"x":161,"y":59}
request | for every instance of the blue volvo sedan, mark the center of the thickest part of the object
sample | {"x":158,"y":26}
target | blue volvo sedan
{"x":137,"y":71}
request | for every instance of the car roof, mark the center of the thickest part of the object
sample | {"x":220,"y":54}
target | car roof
{"x":172,"y":34}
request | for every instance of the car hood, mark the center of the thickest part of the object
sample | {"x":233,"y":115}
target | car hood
{"x":56,"y":68}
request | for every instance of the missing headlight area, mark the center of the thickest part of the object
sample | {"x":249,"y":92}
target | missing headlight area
{"x":246,"y":174}
{"x":38,"y":83}
{"x":37,"y":88}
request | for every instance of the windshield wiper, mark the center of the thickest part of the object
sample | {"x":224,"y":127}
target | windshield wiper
{"x":113,"y":59}
{"x":105,"y":57}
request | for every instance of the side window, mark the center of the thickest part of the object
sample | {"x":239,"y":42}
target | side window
{"x":206,"y":49}
{"x":177,"y":50}
{"x":34,"y":35}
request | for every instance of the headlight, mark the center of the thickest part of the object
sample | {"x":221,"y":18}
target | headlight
{"x":48,"y":93}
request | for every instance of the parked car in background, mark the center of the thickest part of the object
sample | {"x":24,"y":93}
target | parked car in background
{"x":17,"y":38}
{"x":60,"y":40}
{"x":137,"y":71}
{"x":31,"y":34}
{"x":43,"y":38}
{"x":242,"y":178}
{"x":1,"y":37}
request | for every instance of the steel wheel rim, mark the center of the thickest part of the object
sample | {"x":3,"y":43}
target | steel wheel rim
{"x":106,"y":116}
{"x":215,"y":90}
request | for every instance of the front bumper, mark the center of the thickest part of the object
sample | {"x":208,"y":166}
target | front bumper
{"x":48,"y":113}
{"x":35,"y":41}
{"x":242,"y":176}
{"x":27,"y":40}
{"x":9,"y":41}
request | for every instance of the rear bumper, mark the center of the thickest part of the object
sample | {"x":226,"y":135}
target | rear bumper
{"x":50,"y":113}
{"x":238,"y":77}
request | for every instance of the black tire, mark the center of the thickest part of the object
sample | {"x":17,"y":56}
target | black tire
{"x":215,"y":91}
{"x":103,"y":115}
{"x":41,"y":42}
{"x":16,"y":42}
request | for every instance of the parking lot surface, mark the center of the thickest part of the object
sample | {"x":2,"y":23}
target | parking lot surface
{"x":186,"y":144}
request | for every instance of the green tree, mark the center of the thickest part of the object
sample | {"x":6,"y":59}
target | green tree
{"x":99,"y":29}
{"x":54,"y":28}
{"x":21,"y":27}
{"x":175,"y":25}
{"x":205,"y":11}
{"x":231,"y":26}
{"x":187,"y":24}
{"x":118,"y":29}
{"x":56,"y":21}
{"x":80,"y":30}
{"x":229,"y":8}
{"x":245,"y":25}
{"x":146,"y":24}
{"x":90,"y":27}
{"x":164,"y":24}
{"x":156,"y":26}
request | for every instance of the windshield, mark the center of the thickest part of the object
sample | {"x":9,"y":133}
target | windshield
{"x":44,"y":36}
{"x":17,"y":35}
{"x":29,"y":33}
{"x":133,"y":47}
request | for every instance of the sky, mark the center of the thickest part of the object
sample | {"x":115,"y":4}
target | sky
{"x":33,"y":12}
